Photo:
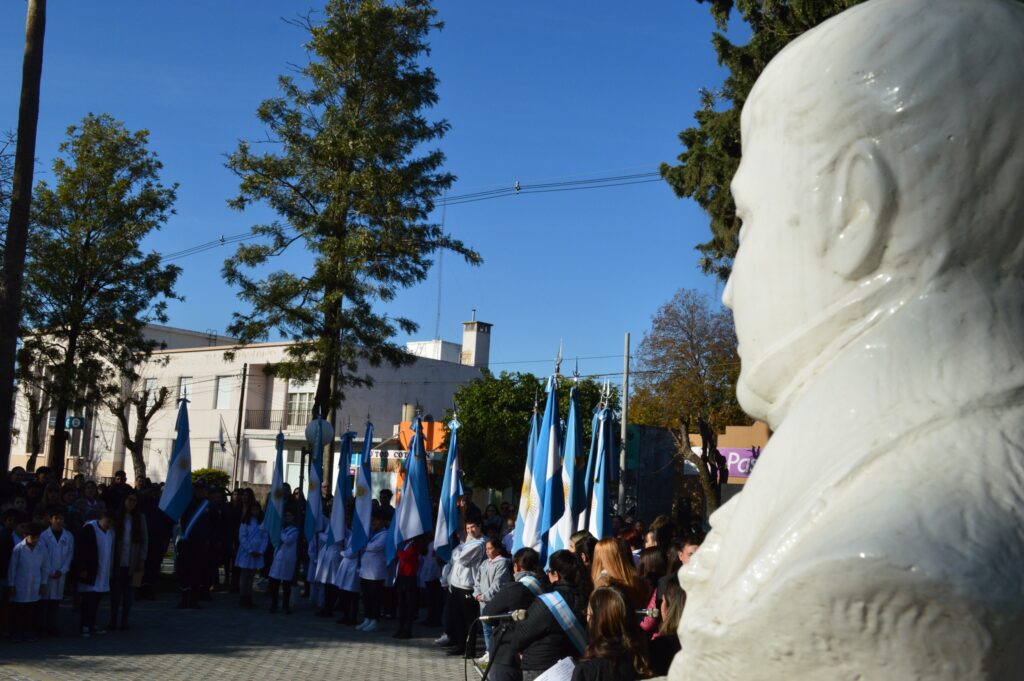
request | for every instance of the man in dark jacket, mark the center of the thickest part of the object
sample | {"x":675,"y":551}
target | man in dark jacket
{"x":193,"y":548}
{"x":516,"y":595}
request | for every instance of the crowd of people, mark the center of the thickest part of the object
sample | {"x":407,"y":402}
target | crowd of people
{"x":612,"y":605}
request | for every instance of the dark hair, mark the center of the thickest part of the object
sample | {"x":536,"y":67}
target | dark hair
{"x":694,"y":537}
{"x":614,"y":632}
{"x":496,"y":543}
{"x":674,"y":549}
{"x":584,"y":546}
{"x":652,"y":565}
{"x":527,"y":560}
{"x":571,"y":571}
{"x":55,"y":510}
{"x":634,"y":538}
{"x":33,"y":529}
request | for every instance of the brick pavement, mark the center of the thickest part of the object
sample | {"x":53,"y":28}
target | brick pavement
{"x":224,"y":643}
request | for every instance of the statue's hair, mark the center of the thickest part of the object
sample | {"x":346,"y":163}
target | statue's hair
{"x":938,"y":85}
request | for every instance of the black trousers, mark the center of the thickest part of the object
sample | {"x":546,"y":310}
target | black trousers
{"x":407,"y":593}
{"x":120,"y":596}
{"x":26,"y":620}
{"x":51,"y":608}
{"x":433,"y":597}
{"x":90,"y":606}
{"x":372,"y":590}
{"x":348,"y":606}
{"x":287,"y":589}
{"x":463,"y":610}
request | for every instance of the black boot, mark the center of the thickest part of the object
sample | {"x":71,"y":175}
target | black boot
{"x":183,"y":603}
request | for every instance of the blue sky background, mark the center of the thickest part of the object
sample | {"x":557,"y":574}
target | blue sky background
{"x":534,"y":91}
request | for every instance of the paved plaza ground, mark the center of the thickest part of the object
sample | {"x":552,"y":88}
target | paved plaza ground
{"x":224,"y":643}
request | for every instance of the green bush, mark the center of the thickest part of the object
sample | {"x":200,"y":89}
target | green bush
{"x":212,"y":476}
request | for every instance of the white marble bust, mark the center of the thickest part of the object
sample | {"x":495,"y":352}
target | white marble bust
{"x":879,"y":302}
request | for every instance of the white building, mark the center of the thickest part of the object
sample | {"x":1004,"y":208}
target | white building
{"x":235,"y":432}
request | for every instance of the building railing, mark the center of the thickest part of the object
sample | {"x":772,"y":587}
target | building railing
{"x":277,"y":419}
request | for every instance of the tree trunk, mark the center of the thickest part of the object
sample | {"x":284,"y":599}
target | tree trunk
{"x":17,"y":226}
{"x":64,"y":396}
{"x":138,"y":460}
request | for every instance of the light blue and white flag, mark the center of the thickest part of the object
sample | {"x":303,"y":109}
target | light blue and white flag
{"x":412,"y":515}
{"x":575,"y":462}
{"x":177,"y":494}
{"x":527,"y":534}
{"x":599,"y":467}
{"x":363,"y":492}
{"x":273,"y":518}
{"x":342,"y":491}
{"x":560,"y":535}
{"x":548,"y":467}
{"x":451,"y":490}
{"x":314,"y":520}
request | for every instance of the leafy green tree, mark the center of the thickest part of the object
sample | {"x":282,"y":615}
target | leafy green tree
{"x":494,"y":413}
{"x":353,"y":180}
{"x":712,"y":147}
{"x":90,"y":290}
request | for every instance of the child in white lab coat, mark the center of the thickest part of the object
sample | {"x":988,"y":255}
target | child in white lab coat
{"x":26,"y":577}
{"x":59,"y":545}
{"x":282,"y":569}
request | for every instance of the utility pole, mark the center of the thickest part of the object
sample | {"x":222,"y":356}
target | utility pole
{"x":13,"y":269}
{"x":622,"y":432}
{"x":237,"y":472}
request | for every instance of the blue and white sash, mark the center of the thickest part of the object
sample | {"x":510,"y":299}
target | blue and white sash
{"x":531,"y":583}
{"x":194,"y":518}
{"x":566,"y":619}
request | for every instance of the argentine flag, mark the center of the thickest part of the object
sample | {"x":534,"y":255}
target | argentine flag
{"x":560,"y":534}
{"x":451,"y":490}
{"x":273,"y":519}
{"x":314,"y":520}
{"x":363,"y":491}
{"x":599,"y":470}
{"x":342,"y":491}
{"x":412,"y":516}
{"x":548,"y":467}
{"x":575,"y":464}
{"x":177,"y":494}
{"x":526,"y":534}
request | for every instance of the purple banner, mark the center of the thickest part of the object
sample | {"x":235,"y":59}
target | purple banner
{"x":741,"y":461}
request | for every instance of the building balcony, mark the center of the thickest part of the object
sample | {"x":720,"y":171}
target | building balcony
{"x":277,"y":419}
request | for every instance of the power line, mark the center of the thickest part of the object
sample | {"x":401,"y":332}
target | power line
{"x":516,"y":189}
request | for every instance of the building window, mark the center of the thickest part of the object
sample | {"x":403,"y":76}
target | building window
{"x":300,"y":408}
{"x":185,"y":387}
{"x":151,"y":392}
{"x":225,"y":390}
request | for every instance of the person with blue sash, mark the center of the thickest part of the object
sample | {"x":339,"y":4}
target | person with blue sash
{"x":517,"y":595}
{"x":554,"y":624}
{"x":617,"y":647}
{"x":193,"y":547}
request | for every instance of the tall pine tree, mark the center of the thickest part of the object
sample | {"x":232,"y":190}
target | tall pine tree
{"x":352,"y":180}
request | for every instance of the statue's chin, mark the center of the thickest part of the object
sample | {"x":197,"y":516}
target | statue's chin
{"x":755,"y":405}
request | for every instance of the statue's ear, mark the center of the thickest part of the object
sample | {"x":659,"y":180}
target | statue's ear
{"x":863,"y":210}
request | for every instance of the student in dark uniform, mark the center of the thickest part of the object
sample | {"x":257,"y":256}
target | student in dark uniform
{"x":193,"y":548}
{"x":519,"y":594}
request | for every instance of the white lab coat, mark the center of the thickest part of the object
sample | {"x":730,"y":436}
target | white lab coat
{"x":105,"y":559}
{"x":59,"y":553}
{"x":286,"y":555}
{"x":252,"y":538}
{"x":327,"y":560}
{"x":346,"y":576}
{"x":372,"y":566}
{"x":26,"y":573}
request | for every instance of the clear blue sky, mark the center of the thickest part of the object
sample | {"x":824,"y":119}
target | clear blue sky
{"x":534,"y":91}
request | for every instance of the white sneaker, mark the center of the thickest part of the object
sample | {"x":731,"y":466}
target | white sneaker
{"x":483,"y":660}
{"x":372,"y":626}
{"x":442,"y":640}
{"x":362,"y":625}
